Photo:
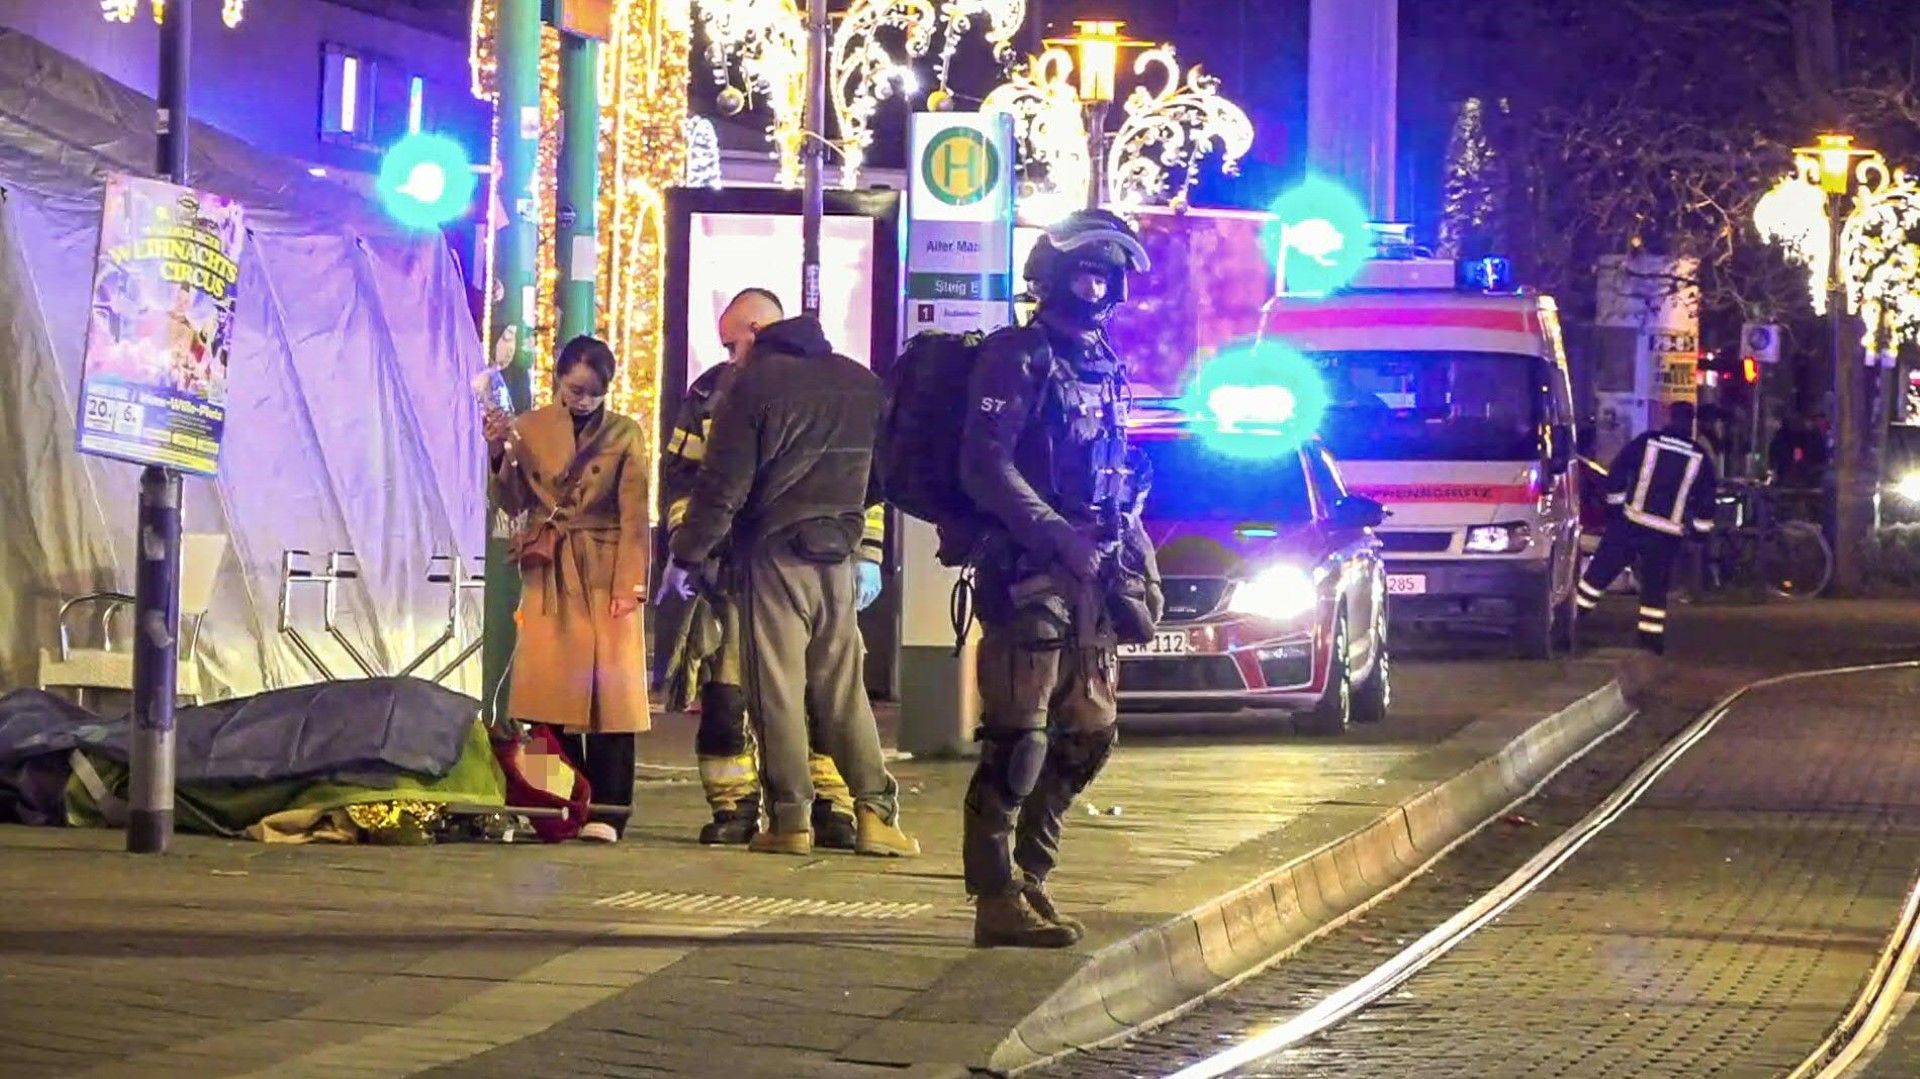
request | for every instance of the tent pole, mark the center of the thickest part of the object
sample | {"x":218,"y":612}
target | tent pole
{"x":517,"y":124}
{"x":156,"y":582}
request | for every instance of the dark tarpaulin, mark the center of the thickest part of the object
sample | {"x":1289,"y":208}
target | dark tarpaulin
{"x":361,"y":731}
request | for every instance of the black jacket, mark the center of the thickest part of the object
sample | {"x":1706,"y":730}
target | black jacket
{"x":791,"y":442}
{"x":1664,"y":482}
{"x":687,"y":448}
{"x":1045,"y":436}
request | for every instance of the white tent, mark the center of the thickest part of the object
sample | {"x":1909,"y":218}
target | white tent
{"x":349,"y":423}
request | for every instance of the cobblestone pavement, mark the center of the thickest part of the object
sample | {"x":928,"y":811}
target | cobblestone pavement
{"x":655,"y":956}
{"x":1720,"y":928}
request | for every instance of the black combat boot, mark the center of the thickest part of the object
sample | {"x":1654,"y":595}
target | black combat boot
{"x":831,"y":830}
{"x":731,"y":827}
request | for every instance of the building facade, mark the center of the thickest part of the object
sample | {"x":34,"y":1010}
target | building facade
{"x":328,"y":83}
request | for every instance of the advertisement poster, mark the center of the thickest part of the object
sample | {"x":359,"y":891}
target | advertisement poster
{"x":960,"y":223}
{"x":736,"y":251}
{"x":153,"y":388}
{"x":1646,"y":350}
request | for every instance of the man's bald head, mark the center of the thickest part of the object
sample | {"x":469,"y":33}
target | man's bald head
{"x":748,"y":314}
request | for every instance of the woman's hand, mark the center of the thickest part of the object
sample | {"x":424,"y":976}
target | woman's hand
{"x":498,"y":427}
{"x":623,"y":606}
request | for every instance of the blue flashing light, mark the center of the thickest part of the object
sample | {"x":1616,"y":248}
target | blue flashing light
{"x":1489,"y":274}
{"x":1255,"y":401}
{"x":1320,"y":236}
{"x":426,"y":180}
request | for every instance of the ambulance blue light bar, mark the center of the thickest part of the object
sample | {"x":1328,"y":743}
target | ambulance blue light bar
{"x":1434,"y":275}
{"x":1489,"y":274}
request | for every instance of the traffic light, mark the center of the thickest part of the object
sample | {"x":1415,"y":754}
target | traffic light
{"x":1750,"y":369}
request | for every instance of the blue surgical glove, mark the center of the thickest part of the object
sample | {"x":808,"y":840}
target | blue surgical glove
{"x":677,"y":580}
{"x":868,"y":574}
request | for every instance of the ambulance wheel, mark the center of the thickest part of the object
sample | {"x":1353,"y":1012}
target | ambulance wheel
{"x":1535,"y":631}
{"x":1335,"y":710}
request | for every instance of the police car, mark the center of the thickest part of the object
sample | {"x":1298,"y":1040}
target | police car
{"x":1275,"y":589}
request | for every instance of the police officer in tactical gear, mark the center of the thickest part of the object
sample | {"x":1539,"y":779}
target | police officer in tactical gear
{"x":1659,"y":490}
{"x":1064,"y":570}
{"x":709,"y":641}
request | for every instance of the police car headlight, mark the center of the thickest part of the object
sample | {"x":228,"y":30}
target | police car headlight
{"x":1908,"y":487}
{"x":1499,"y":539}
{"x":1277,"y":593}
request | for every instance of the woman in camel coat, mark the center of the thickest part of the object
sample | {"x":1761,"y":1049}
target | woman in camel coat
{"x":579,"y":474}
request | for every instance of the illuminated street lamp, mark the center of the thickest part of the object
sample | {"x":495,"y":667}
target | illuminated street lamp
{"x":1095,"y":46}
{"x":1060,"y":101}
{"x":1850,"y":219}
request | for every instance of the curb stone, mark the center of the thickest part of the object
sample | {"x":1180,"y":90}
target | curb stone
{"x":1155,"y":973}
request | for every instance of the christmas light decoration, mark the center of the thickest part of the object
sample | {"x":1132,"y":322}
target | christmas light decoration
{"x":865,"y":71}
{"x":768,"y":39}
{"x":1049,"y":133}
{"x":1165,"y":131}
{"x":1472,"y":207}
{"x":703,"y":153}
{"x":871,"y":60}
{"x":546,"y":195}
{"x":1879,"y":240}
{"x":643,"y":148}
{"x":643,"y":153}
{"x":231,"y":11}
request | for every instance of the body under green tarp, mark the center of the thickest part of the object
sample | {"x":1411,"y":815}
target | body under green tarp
{"x":237,"y":809}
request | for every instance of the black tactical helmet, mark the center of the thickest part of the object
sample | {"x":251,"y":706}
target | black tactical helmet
{"x":1086,"y":236}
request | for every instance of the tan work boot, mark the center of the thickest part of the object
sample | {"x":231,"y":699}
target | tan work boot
{"x":771,"y":842}
{"x":1009,"y":921}
{"x":1042,"y":903}
{"x":875,"y":836}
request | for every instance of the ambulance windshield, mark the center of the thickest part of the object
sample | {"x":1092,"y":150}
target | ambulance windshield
{"x":1433,"y":406}
{"x":1192,"y":483}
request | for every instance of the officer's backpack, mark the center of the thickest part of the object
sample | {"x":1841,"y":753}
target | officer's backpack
{"x":917,"y":454}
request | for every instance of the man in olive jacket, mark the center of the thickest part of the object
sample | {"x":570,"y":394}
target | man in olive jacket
{"x":785,"y":482}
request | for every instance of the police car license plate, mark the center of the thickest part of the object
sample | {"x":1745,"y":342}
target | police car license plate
{"x":1406,"y":584}
{"x":1164,"y":643}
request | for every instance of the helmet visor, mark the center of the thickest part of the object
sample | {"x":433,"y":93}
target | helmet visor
{"x":1110,"y":247}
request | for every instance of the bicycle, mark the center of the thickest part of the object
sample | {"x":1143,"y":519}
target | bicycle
{"x":1755,"y":545}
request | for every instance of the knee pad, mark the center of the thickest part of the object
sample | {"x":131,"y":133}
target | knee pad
{"x":723,"y":721}
{"x":1078,"y":756}
{"x":1011,"y":762}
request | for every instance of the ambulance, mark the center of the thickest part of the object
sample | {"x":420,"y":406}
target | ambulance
{"x":1450,"y":404}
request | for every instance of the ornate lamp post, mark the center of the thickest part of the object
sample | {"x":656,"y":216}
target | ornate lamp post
{"x":1850,"y":220}
{"x":1060,"y":103}
{"x":1096,"y":46}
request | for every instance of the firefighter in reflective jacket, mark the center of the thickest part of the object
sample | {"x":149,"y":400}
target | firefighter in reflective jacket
{"x":1659,"y":491}
{"x":728,"y":769}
